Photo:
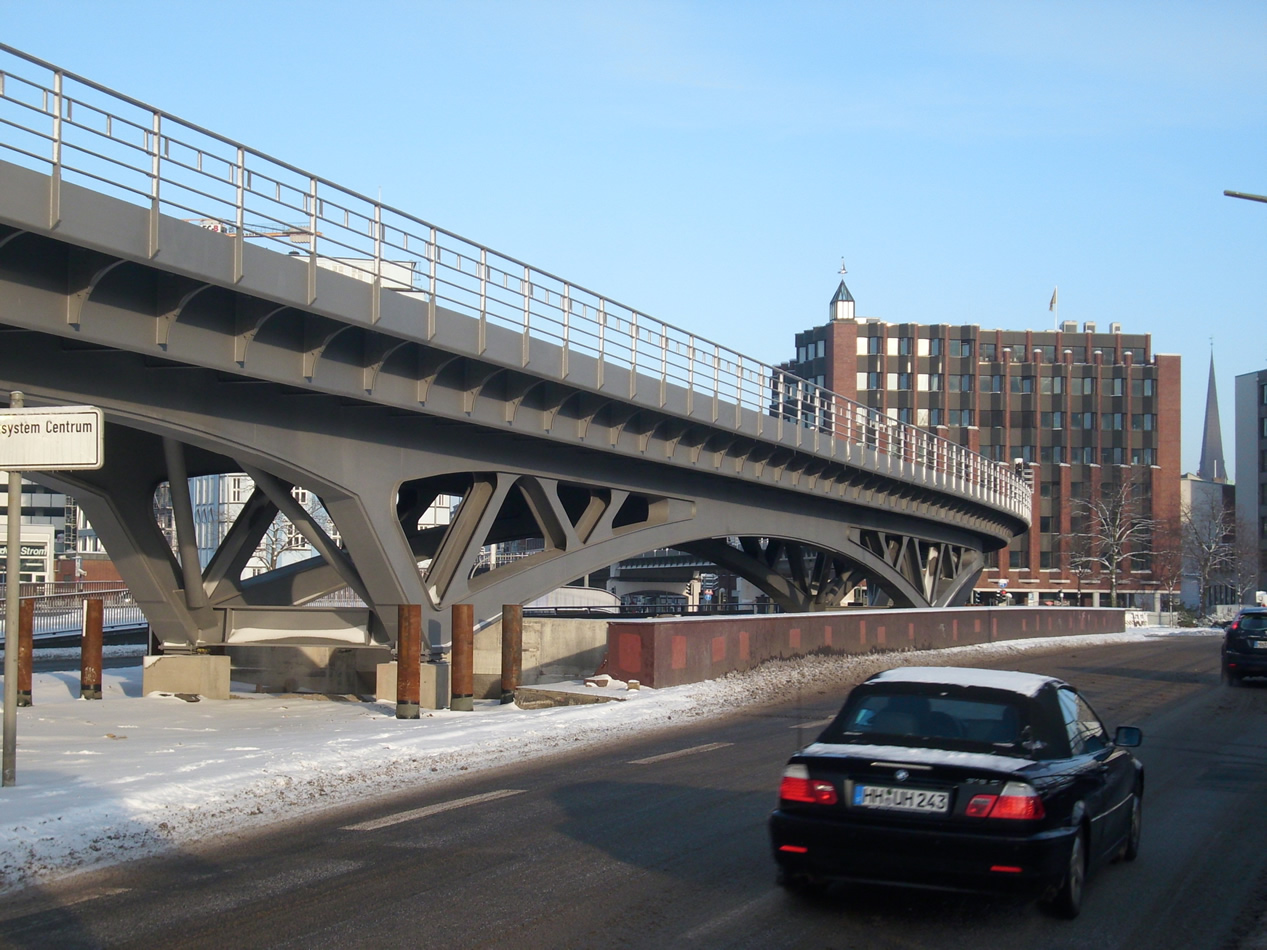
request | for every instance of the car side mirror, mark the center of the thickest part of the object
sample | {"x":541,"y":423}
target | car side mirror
{"x":1129,"y":736}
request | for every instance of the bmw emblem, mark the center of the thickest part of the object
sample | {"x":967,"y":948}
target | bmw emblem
{"x":901,"y":775}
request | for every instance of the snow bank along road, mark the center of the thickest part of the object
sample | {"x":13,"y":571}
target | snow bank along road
{"x":129,"y":776}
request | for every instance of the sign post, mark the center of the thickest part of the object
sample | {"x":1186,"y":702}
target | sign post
{"x":60,"y":438}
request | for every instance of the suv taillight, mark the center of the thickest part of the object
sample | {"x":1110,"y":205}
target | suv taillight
{"x":1017,"y":801}
{"x":797,"y":786}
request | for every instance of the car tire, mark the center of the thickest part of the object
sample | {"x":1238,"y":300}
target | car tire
{"x":1233,"y":679}
{"x":1130,"y":851}
{"x":1067,"y":900}
{"x":802,"y":885}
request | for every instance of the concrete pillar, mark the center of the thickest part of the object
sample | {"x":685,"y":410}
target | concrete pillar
{"x":512,"y":650}
{"x":198,"y":674}
{"x":463,"y":631}
{"x":408,"y":658}
{"x":90,"y":649}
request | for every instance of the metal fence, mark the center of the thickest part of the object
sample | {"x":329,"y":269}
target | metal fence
{"x":59,"y":607}
{"x":76,"y":130}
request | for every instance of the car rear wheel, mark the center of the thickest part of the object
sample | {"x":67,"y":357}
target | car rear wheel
{"x":801,"y":884}
{"x":1067,"y":901}
{"x":1233,"y":679}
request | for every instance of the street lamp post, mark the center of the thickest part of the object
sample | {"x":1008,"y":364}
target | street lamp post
{"x":1246,"y":196}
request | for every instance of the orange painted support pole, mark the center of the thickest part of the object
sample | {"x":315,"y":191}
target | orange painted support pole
{"x":512,"y":650}
{"x":408,"y":660}
{"x":463,"y":696}
{"x":26,"y":632}
{"x":90,"y":649}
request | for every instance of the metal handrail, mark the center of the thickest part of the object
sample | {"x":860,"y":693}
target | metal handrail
{"x":74,"y":128}
{"x":59,"y":605}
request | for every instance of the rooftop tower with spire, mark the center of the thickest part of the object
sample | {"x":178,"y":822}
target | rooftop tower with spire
{"x":1212,"y":467}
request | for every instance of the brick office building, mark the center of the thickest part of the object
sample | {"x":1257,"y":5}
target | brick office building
{"x":1083,"y":410}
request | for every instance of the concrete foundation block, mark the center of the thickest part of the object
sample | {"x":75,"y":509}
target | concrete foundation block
{"x":205,"y":676}
{"x":433,"y":685}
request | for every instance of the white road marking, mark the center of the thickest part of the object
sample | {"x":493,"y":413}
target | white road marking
{"x":432,"y":810}
{"x":95,"y":894}
{"x":681,"y":752}
{"x":728,"y":919}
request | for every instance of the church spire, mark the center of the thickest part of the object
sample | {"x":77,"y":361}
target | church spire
{"x":1212,"y":467}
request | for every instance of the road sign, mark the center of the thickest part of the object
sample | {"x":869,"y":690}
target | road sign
{"x":53,"y":439}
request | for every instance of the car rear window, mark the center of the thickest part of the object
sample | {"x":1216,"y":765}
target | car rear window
{"x":1253,"y":622}
{"x":935,"y":718}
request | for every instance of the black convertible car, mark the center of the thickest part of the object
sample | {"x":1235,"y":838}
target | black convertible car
{"x":1245,"y":645}
{"x":964,"y":779}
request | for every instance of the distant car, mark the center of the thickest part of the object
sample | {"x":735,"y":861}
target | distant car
{"x":961,"y":779}
{"x":1245,"y":645}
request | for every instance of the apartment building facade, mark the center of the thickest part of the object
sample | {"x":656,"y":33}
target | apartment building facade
{"x":1082,"y":410}
{"x":1251,"y":463}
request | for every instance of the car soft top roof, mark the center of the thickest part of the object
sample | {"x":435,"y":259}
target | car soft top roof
{"x":1026,"y":684}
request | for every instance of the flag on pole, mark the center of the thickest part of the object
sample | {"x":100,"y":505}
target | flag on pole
{"x":1052,"y":306}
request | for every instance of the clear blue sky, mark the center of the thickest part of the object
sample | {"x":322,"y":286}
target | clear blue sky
{"x":710,"y":163}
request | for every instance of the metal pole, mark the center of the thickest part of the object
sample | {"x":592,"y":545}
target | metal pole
{"x":463,"y":624}
{"x":512,"y":650}
{"x":26,"y":631}
{"x":408,"y":660}
{"x":13,"y":587}
{"x":90,"y":650}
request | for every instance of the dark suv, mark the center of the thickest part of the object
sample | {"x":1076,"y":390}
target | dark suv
{"x":1245,"y":645}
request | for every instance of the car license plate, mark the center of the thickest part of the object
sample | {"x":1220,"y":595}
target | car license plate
{"x":901,"y":799}
{"x":1260,"y":644}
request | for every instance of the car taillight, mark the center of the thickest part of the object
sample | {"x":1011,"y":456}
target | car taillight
{"x":1017,"y":801}
{"x":797,"y":786}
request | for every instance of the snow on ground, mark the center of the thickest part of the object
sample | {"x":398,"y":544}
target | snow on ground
{"x":133,"y":775}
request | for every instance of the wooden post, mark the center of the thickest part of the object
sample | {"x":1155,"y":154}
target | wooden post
{"x":408,"y":660}
{"x":90,"y":650}
{"x":462,"y":699}
{"x":26,"y":630}
{"x":512,"y":650}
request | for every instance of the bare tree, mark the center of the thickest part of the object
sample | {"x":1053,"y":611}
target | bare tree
{"x":282,"y":536}
{"x":1208,"y":531}
{"x":1115,"y":528}
{"x":1243,"y":569}
{"x":1167,"y":559}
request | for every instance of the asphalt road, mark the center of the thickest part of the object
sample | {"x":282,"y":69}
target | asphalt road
{"x":661,"y":842}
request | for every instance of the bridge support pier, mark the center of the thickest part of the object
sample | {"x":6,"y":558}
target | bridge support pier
{"x":200,"y":674}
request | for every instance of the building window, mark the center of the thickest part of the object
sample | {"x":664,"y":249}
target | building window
{"x":1111,"y":421}
{"x":875,"y":345}
{"x":1079,"y":353}
{"x":1044,"y":524}
{"x":1143,"y":456}
{"x":1116,"y":385}
{"x":822,"y":347}
{"x":1111,"y":455}
{"x":960,"y":417}
{"x":1045,"y":560}
{"x":1082,"y":455}
{"x":993,"y":452}
{"x":903,"y":381}
{"x":1019,"y":560}
{"x":875,"y":380}
{"x":904,"y":415}
{"x":991,"y":384}
{"x":1025,"y":453}
{"x":1046,"y":353}
{"x":1084,"y":385}
{"x":1263,"y":422}
{"x":934,"y":346}
{"x":904,"y":346}
{"x":988,"y":352}
{"x":1052,"y":385}
{"x":960,"y":383}
{"x":934,"y":382}
{"x":935,"y":417}
{"x":1051,"y":420}
{"x":1022,"y":384}
{"x":960,"y":347}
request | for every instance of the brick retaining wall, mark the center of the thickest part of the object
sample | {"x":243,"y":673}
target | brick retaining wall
{"x":676,"y":650}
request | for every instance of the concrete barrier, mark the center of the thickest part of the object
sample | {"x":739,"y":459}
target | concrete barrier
{"x":678,"y":650}
{"x":554,"y":649}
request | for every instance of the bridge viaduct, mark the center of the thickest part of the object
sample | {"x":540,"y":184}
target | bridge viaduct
{"x":232,"y":313}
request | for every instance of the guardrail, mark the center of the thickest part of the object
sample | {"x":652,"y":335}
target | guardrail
{"x":59,"y":607}
{"x":75,"y":129}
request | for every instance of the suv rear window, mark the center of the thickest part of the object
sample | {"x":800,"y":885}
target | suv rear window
{"x":1255,"y":621}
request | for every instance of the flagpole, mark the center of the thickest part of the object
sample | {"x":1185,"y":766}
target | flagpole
{"x":1054,"y":307}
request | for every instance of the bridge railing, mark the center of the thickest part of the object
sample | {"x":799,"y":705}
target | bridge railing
{"x":76,"y":130}
{"x":59,"y":606}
